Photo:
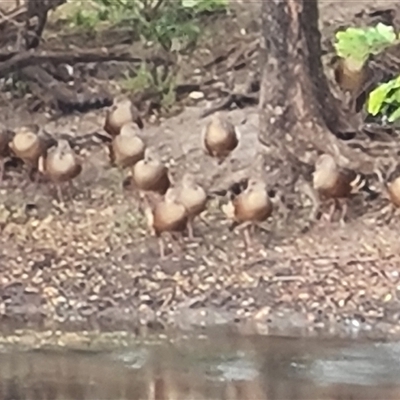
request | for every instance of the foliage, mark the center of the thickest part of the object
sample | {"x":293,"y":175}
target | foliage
{"x":173,"y":24}
{"x":355,"y":45}
{"x":162,"y":21}
{"x":158,"y":80}
{"x":385,"y":100}
{"x":358,"y":43}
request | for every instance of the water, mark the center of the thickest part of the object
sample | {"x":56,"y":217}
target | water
{"x":214,"y":367}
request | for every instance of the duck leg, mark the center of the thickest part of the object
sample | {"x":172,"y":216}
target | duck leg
{"x":190,"y":229}
{"x":309,"y":191}
{"x":60,"y":196}
{"x":344,"y":207}
{"x":332,"y":210}
{"x":247,"y":237}
{"x":161,"y":248}
{"x":176,"y":243}
{"x":245,"y":228}
{"x":1,"y":170}
{"x":123,"y":179}
{"x":72,"y":191}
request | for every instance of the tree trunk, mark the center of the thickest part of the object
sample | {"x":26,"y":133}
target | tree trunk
{"x":298,"y":113}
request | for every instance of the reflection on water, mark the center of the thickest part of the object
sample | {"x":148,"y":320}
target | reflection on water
{"x":216,"y":367}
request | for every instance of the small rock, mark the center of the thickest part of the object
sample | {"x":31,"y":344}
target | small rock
{"x":196,"y":95}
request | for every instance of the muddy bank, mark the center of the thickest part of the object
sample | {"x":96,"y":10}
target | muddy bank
{"x":92,"y":265}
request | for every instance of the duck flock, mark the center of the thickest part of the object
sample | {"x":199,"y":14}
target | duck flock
{"x":171,"y":207}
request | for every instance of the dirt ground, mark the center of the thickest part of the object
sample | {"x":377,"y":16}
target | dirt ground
{"x":91,"y":264}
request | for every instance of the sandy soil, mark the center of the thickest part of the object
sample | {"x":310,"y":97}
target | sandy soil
{"x":91,"y":263}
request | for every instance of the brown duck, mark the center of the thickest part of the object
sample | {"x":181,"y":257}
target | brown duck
{"x":219,"y":137}
{"x":29,"y":144}
{"x":390,"y":185}
{"x":123,"y":111}
{"x":337,"y":183}
{"x":60,"y":164}
{"x":167,"y":216}
{"x":193,"y":197}
{"x":348,"y":78}
{"x":151,"y":175}
{"x":127,"y":148}
{"x":353,"y":79}
{"x":391,"y":182}
{"x":250,"y":207}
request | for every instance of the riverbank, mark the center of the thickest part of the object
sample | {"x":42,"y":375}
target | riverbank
{"x":92,"y":264}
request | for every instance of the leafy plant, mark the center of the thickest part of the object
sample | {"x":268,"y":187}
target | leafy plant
{"x":176,"y":25}
{"x":162,"y":21}
{"x":351,"y":43}
{"x":354,"y":46}
{"x":358,"y":43}
{"x":385,"y":100}
{"x":159,"y":80}
{"x":140,"y":81}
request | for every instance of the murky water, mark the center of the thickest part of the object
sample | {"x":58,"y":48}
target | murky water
{"x":210,"y":367}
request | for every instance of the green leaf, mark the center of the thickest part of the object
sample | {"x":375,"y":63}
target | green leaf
{"x":189,"y":3}
{"x":393,"y":96}
{"x":384,"y":97}
{"x":393,"y":92}
{"x":352,"y":43}
{"x":395,"y":115}
{"x":377,"y":98}
{"x":380,"y":37}
{"x":386,"y":32}
{"x":359,"y":43}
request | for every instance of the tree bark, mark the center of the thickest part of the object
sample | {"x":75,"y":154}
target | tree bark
{"x":298,"y":112}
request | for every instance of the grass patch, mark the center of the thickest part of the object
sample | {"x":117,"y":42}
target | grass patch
{"x":174,"y":24}
{"x":159,"y":80}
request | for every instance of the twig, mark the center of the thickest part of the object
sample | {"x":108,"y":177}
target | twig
{"x":12,"y":17}
{"x":232,"y":98}
{"x":223,"y":105}
{"x":375,"y":148}
{"x":287,"y":278}
{"x":245,"y":53}
{"x":221,"y":58}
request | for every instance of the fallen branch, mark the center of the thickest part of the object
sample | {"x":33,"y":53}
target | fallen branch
{"x":61,"y":96}
{"x":248,"y":95}
{"x":34,"y":57}
{"x":238,"y":99}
